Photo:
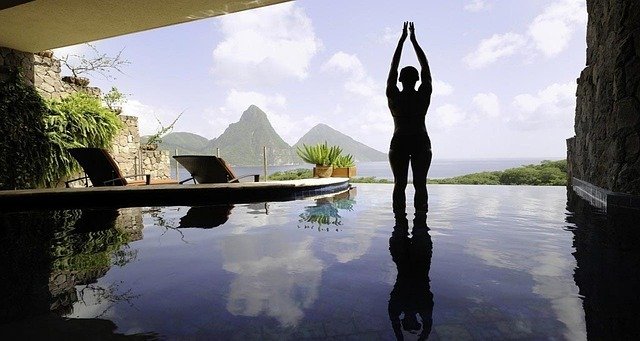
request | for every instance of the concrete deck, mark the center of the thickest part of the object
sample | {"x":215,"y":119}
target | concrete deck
{"x":168,"y":195}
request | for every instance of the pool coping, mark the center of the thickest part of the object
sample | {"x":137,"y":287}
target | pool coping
{"x":169,"y":195}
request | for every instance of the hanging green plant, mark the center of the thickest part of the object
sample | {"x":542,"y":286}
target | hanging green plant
{"x":79,"y":120}
{"x":24,"y":147}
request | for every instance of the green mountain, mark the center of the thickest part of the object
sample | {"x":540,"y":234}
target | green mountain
{"x":242,"y":142}
{"x":360,"y":151}
{"x":186,"y":143}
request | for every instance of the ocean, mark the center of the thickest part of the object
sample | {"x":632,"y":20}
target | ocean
{"x":381,"y":170}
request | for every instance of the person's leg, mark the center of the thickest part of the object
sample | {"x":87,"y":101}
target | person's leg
{"x":399,"y":160}
{"x":420,"y":163}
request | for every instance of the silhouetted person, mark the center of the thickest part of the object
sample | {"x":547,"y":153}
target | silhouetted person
{"x":411,"y":294}
{"x":410,"y":142}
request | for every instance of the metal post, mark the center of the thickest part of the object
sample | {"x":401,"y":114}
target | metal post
{"x":177,"y":166}
{"x":264,"y":161}
{"x":135,"y":164}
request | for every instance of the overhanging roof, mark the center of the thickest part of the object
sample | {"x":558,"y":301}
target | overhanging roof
{"x":33,"y":26}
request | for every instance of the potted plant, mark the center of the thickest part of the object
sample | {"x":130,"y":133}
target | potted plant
{"x":320,"y":155}
{"x":344,"y":167}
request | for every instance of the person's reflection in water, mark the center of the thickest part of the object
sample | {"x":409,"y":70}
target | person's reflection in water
{"x":411,"y":294}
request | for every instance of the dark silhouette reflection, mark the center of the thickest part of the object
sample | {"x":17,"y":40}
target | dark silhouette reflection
{"x":51,"y":259}
{"x":326,"y":211}
{"x":411,"y":294}
{"x":410,"y":142}
{"x":607,"y":272}
{"x":206,"y":217}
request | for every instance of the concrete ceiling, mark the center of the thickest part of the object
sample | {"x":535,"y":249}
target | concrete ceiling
{"x":37,"y":25}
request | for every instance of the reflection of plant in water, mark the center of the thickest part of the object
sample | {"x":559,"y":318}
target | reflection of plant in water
{"x":159,"y":220}
{"x":109,"y":295}
{"x":124,"y":256}
{"x":325,"y":213}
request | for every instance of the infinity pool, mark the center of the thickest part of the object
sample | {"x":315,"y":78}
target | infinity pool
{"x":498,"y":262}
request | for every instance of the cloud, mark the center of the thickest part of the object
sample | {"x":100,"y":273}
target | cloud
{"x":265,"y":45}
{"x":441,"y":88}
{"x":552,"y":30}
{"x":448,"y":116}
{"x":487,"y":104}
{"x":148,"y":116}
{"x":548,"y":33}
{"x":491,"y":49}
{"x":476,"y":6}
{"x":345,"y":64}
{"x":367,"y":99}
{"x":389,"y":35}
{"x":551,"y":106}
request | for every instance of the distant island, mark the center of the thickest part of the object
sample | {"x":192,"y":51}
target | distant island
{"x":547,"y":173}
{"x":242,"y":142}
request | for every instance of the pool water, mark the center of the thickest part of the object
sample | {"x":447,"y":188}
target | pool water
{"x":498,"y":262}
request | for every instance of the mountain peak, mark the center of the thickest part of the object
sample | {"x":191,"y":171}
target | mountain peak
{"x":253,"y":113}
{"x":322,"y":127}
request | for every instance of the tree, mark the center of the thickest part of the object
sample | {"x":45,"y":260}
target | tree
{"x":97,"y":62}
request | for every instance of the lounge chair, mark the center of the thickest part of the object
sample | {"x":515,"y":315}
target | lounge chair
{"x":207,"y":169}
{"x":102,"y":170}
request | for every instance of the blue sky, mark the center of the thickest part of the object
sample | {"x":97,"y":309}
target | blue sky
{"x":504,"y":71}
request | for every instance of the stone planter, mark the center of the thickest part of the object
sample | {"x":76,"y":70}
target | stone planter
{"x":80,"y":81}
{"x":344,"y":172}
{"x":152,"y":146}
{"x":322,"y":171}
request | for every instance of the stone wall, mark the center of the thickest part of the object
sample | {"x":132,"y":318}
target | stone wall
{"x":606,"y":148}
{"x":43,"y":71}
{"x":49,"y":82}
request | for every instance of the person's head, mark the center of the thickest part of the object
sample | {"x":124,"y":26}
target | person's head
{"x":409,"y":76}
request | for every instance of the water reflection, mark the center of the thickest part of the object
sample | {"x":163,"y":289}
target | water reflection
{"x":326,"y":211}
{"x":206,"y":217}
{"x":53,"y":260}
{"x":411,"y":296}
{"x":607,"y":272}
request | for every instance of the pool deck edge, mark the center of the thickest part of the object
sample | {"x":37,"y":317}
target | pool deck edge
{"x":168,"y":195}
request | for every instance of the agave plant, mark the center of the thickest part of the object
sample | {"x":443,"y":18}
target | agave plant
{"x":344,"y":161}
{"x":320,"y":154}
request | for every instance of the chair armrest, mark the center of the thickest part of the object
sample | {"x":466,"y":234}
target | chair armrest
{"x":183,"y":181}
{"x":147,"y":178}
{"x":66,"y":183}
{"x":256,"y":177}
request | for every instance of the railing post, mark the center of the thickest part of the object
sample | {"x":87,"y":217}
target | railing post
{"x":264,"y":161}
{"x":177,"y":166}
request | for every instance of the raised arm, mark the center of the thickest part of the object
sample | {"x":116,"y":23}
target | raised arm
{"x":425,"y":72}
{"x":395,"y":62}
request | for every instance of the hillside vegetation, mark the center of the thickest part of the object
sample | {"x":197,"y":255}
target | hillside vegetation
{"x":547,"y":173}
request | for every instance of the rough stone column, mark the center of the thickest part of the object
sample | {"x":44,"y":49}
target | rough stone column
{"x":126,"y":146}
{"x":10,"y":59}
{"x":607,"y":123}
